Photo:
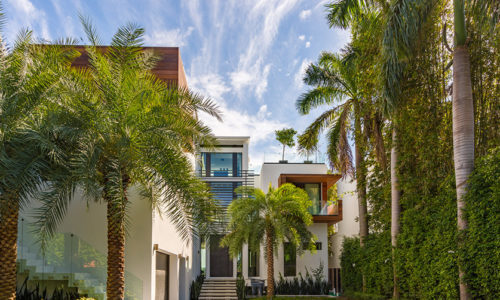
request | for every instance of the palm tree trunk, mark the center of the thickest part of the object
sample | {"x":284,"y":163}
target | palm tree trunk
{"x":115,"y":285}
{"x":283,"y":153}
{"x":270,"y":262}
{"x":395,"y":208}
{"x":463,"y":122}
{"x":360,"y":180}
{"x":463,"y":137}
{"x":9,"y":214}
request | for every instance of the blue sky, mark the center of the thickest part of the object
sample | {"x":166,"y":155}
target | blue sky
{"x":249,"y":56}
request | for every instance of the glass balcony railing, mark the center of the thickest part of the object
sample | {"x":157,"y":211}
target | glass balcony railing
{"x":324,"y":208}
{"x":67,"y":258}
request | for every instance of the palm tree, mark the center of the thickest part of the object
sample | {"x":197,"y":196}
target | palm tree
{"x":270,"y":219}
{"x":28,"y":148}
{"x":335,"y":80}
{"x":133,"y":130}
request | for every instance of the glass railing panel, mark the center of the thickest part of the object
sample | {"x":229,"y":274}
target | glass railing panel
{"x":323,"y":209}
{"x":67,"y":258}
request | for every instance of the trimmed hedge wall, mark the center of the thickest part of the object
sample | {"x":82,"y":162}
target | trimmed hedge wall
{"x":428,"y":253}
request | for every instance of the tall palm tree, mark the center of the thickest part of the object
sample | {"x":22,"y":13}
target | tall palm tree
{"x":335,"y":81}
{"x":270,"y":219}
{"x":401,"y":22}
{"x":28,"y":148}
{"x":133,"y":130}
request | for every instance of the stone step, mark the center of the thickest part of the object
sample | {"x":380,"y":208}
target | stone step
{"x":217,"y":297}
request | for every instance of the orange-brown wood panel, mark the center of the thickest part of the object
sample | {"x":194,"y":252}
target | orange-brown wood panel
{"x":326,"y":181}
{"x":169,"y":67}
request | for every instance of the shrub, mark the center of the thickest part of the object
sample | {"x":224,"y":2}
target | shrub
{"x":241,"y":288}
{"x":481,"y":242}
{"x":311,"y":284}
{"x":196,"y":285}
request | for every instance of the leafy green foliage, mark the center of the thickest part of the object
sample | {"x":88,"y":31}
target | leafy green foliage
{"x":311,"y":284}
{"x":428,"y":249}
{"x":241,"y":288}
{"x":195,"y":289}
{"x":285,"y":136}
{"x":480,"y":251}
{"x":284,"y":210}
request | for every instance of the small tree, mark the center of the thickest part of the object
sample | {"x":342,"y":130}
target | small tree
{"x":270,"y":219}
{"x":307,"y":145}
{"x":285,"y":137}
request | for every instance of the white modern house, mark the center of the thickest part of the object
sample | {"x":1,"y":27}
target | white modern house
{"x":158,"y":263}
{"x":225,"y":168}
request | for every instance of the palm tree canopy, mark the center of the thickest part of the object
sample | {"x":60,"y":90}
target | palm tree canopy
{"x":133,"y":130}
{"x":285,"y":210}
{"x":29,"y":74}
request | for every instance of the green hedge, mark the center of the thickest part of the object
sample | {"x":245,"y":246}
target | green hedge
{"x":481,"y":244}
{"x":427,"y":254}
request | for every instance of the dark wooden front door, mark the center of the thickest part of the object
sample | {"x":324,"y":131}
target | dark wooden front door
{"x":221,"y":265}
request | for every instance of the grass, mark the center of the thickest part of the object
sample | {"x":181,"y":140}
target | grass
{"x":299,"y":297}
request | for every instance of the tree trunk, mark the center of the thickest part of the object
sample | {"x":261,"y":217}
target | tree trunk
{"x":283,"y":153}
{"x":9,"y":214}
{"x":395,"y":208}
{"x":115,"y":285}
{"x":270,"y":262}
{"x":360,"y":179}
{"x":463,"y":137}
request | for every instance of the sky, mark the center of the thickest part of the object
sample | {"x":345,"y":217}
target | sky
{"x":248,"y":56}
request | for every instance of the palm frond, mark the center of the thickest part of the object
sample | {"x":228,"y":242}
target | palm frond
{"x":341,"y":13}
{"x":90,"y":30}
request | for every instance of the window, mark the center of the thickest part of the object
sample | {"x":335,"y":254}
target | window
{"x":313,"y":190}
{"x":290,"y":259}
{"x":253,"y":263}
{"x":219,"y":164}
{"x":162,"y":266}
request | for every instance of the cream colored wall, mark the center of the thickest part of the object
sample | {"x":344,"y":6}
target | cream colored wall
{"x":169,"y":242}
{"x":348,"y":226}
{"x":270,"y":172}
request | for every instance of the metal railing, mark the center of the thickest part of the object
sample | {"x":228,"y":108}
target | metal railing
{"x":225,"y":173}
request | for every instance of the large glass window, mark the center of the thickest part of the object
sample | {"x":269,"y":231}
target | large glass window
{"x":290,"y":259}
{"x":221,"y":164}
{"x":253,"y":263}
{"x":313,"y":190}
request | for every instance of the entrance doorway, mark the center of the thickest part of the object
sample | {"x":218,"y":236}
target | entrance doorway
{"x":221,"y":265}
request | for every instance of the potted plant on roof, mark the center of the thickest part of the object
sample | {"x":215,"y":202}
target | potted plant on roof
{"x":307,"y":146}
{"x":285,"y":137}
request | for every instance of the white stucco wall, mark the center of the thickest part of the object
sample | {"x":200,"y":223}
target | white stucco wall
{"x":270,"y":172}
{"x":348,"y":226}
{"x":180,"y":252}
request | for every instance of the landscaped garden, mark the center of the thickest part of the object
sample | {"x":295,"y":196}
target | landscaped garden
{"x":415,"y":92}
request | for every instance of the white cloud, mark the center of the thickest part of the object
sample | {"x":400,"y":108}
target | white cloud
{"x":308,"y":44}
{"x":25,"y":14}
{"x":302,"y":37}
{"x":211,"y":85}
{"x":263,"y":22}
{"x":172,"y":38}
{"x":305,"y":14}
{"x":300,"y":73}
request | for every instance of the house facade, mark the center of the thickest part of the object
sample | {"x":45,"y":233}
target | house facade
{"x":220,"y":168}
{"x":158,"y":263}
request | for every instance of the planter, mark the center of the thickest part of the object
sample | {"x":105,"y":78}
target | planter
{"x":283,"y":161}
{"x":308,"y":161}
